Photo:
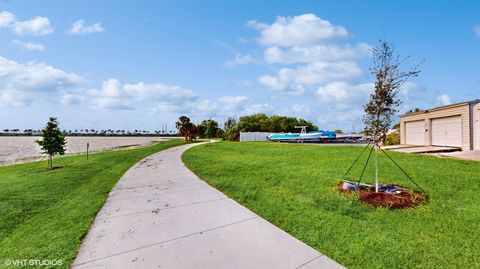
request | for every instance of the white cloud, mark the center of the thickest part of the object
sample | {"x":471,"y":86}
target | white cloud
{"x":20,"y":84}
{"x":240,"y":59}
{"x":246,"y":84}
{"x":160,"y":98}
{"x":306,"y":29}
{"x":14,"y":98}
{"x":344,"y":92}
{"x":29,"y":46}
{"x":112,"y":104}
{"x":341,"y":103}
{"x":223,"y":106}
{"x":232,"y":104}
{"x":318,"y":47}
{"x":6,"y":19}
{"x":443,"y":100}
{"x":476,"y":30}
{"x":257,"y":108}
{"x":159,"y":91}
{"x":294,"y":80}
{"x":36,"y":26}
{"x":407,"y":88}
{"x":115,"y":95}
{"x":316,"y":53}
{"x":71,"y":98}
{"x":34,"y":76}
{"x":341,"y":117}
{"x":301,"y":109}
{"x":79,"y":28}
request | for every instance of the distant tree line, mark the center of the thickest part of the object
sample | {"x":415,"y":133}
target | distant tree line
{"x":231,"y":128}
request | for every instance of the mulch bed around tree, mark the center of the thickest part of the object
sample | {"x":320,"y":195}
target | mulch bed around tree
{"x":406,"y":199}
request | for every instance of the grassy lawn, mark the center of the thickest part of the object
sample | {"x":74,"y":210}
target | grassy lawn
{"x":45,"y":213}
{"x":292,"y":186}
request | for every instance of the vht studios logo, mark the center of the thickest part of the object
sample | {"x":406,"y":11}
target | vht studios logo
{"x":33,"y":262}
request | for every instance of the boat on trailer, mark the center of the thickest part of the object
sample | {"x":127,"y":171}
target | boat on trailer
{"x":303,"y":136}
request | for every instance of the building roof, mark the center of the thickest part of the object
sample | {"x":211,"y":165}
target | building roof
{"x":473,"y":102}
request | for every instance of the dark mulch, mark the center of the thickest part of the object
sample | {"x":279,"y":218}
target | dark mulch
{"x":406,"y":199}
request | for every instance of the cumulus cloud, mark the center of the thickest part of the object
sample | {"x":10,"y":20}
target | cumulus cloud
{"x":317,"y":53}
{"x":79,"y":28}
{"x":318,"y":48}
{"x":36,"y":26}
{"x":341,"y":103}
{"x":6,"y":19}
{"x":240,"y":59}
{"x":21,"y":83}
{"x":315,"y":68}
{"x":344,"y":92}
{"x":29,"y":46}
{"x":443,"y":100}
{"x":115,"y":95}
{"x":223,"y":106}
{"x":306,"y":29}
{"x":294,"y":80}
{"x":476,"y":30}
{"x":301,"y":109}
{"x":158,"y":97}
{"x":71,"y":98}
{"x":246,"y":84}
{"x":257,"y":108}
{"x":232,"y":104}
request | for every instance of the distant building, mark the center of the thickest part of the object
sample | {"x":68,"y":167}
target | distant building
{"x":253,"y":136}
{"x":456,"y":125}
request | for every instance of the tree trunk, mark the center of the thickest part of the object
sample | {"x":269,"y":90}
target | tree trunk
{"x":50,"y":162}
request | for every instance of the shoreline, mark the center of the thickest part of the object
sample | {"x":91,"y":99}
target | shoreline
{"x":23,"y":149}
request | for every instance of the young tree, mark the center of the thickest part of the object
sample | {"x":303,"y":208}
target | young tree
{"x":383,"y":103}
{"x":53,"y":140}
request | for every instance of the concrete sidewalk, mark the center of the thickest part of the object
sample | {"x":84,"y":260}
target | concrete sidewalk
{"x":160,"y":215}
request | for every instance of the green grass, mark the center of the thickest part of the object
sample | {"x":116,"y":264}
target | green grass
{"x":45,"y":213}
{"x":293,"y":186}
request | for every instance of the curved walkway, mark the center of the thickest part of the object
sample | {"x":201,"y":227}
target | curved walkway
{"x":161,"y":215}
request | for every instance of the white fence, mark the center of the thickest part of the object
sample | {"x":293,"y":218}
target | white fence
{"x":253,"y":136}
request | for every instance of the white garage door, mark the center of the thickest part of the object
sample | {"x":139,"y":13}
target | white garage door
{"x":447,"y":131}
{"x":415,"y":132}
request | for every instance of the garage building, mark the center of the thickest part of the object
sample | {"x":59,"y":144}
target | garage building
{"x":456,"y":125}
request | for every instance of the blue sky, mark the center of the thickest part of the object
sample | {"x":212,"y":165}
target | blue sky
{"x":141,"y":64}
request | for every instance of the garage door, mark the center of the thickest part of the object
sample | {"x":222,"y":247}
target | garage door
{"x":415,"y":132}
{"x":447,"y":131}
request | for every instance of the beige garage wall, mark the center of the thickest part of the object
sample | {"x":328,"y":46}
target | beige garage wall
{"x":455,"y":110}
{"x":476,"y":127}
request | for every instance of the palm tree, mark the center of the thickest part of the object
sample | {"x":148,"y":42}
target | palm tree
{"x":186,"y":128}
